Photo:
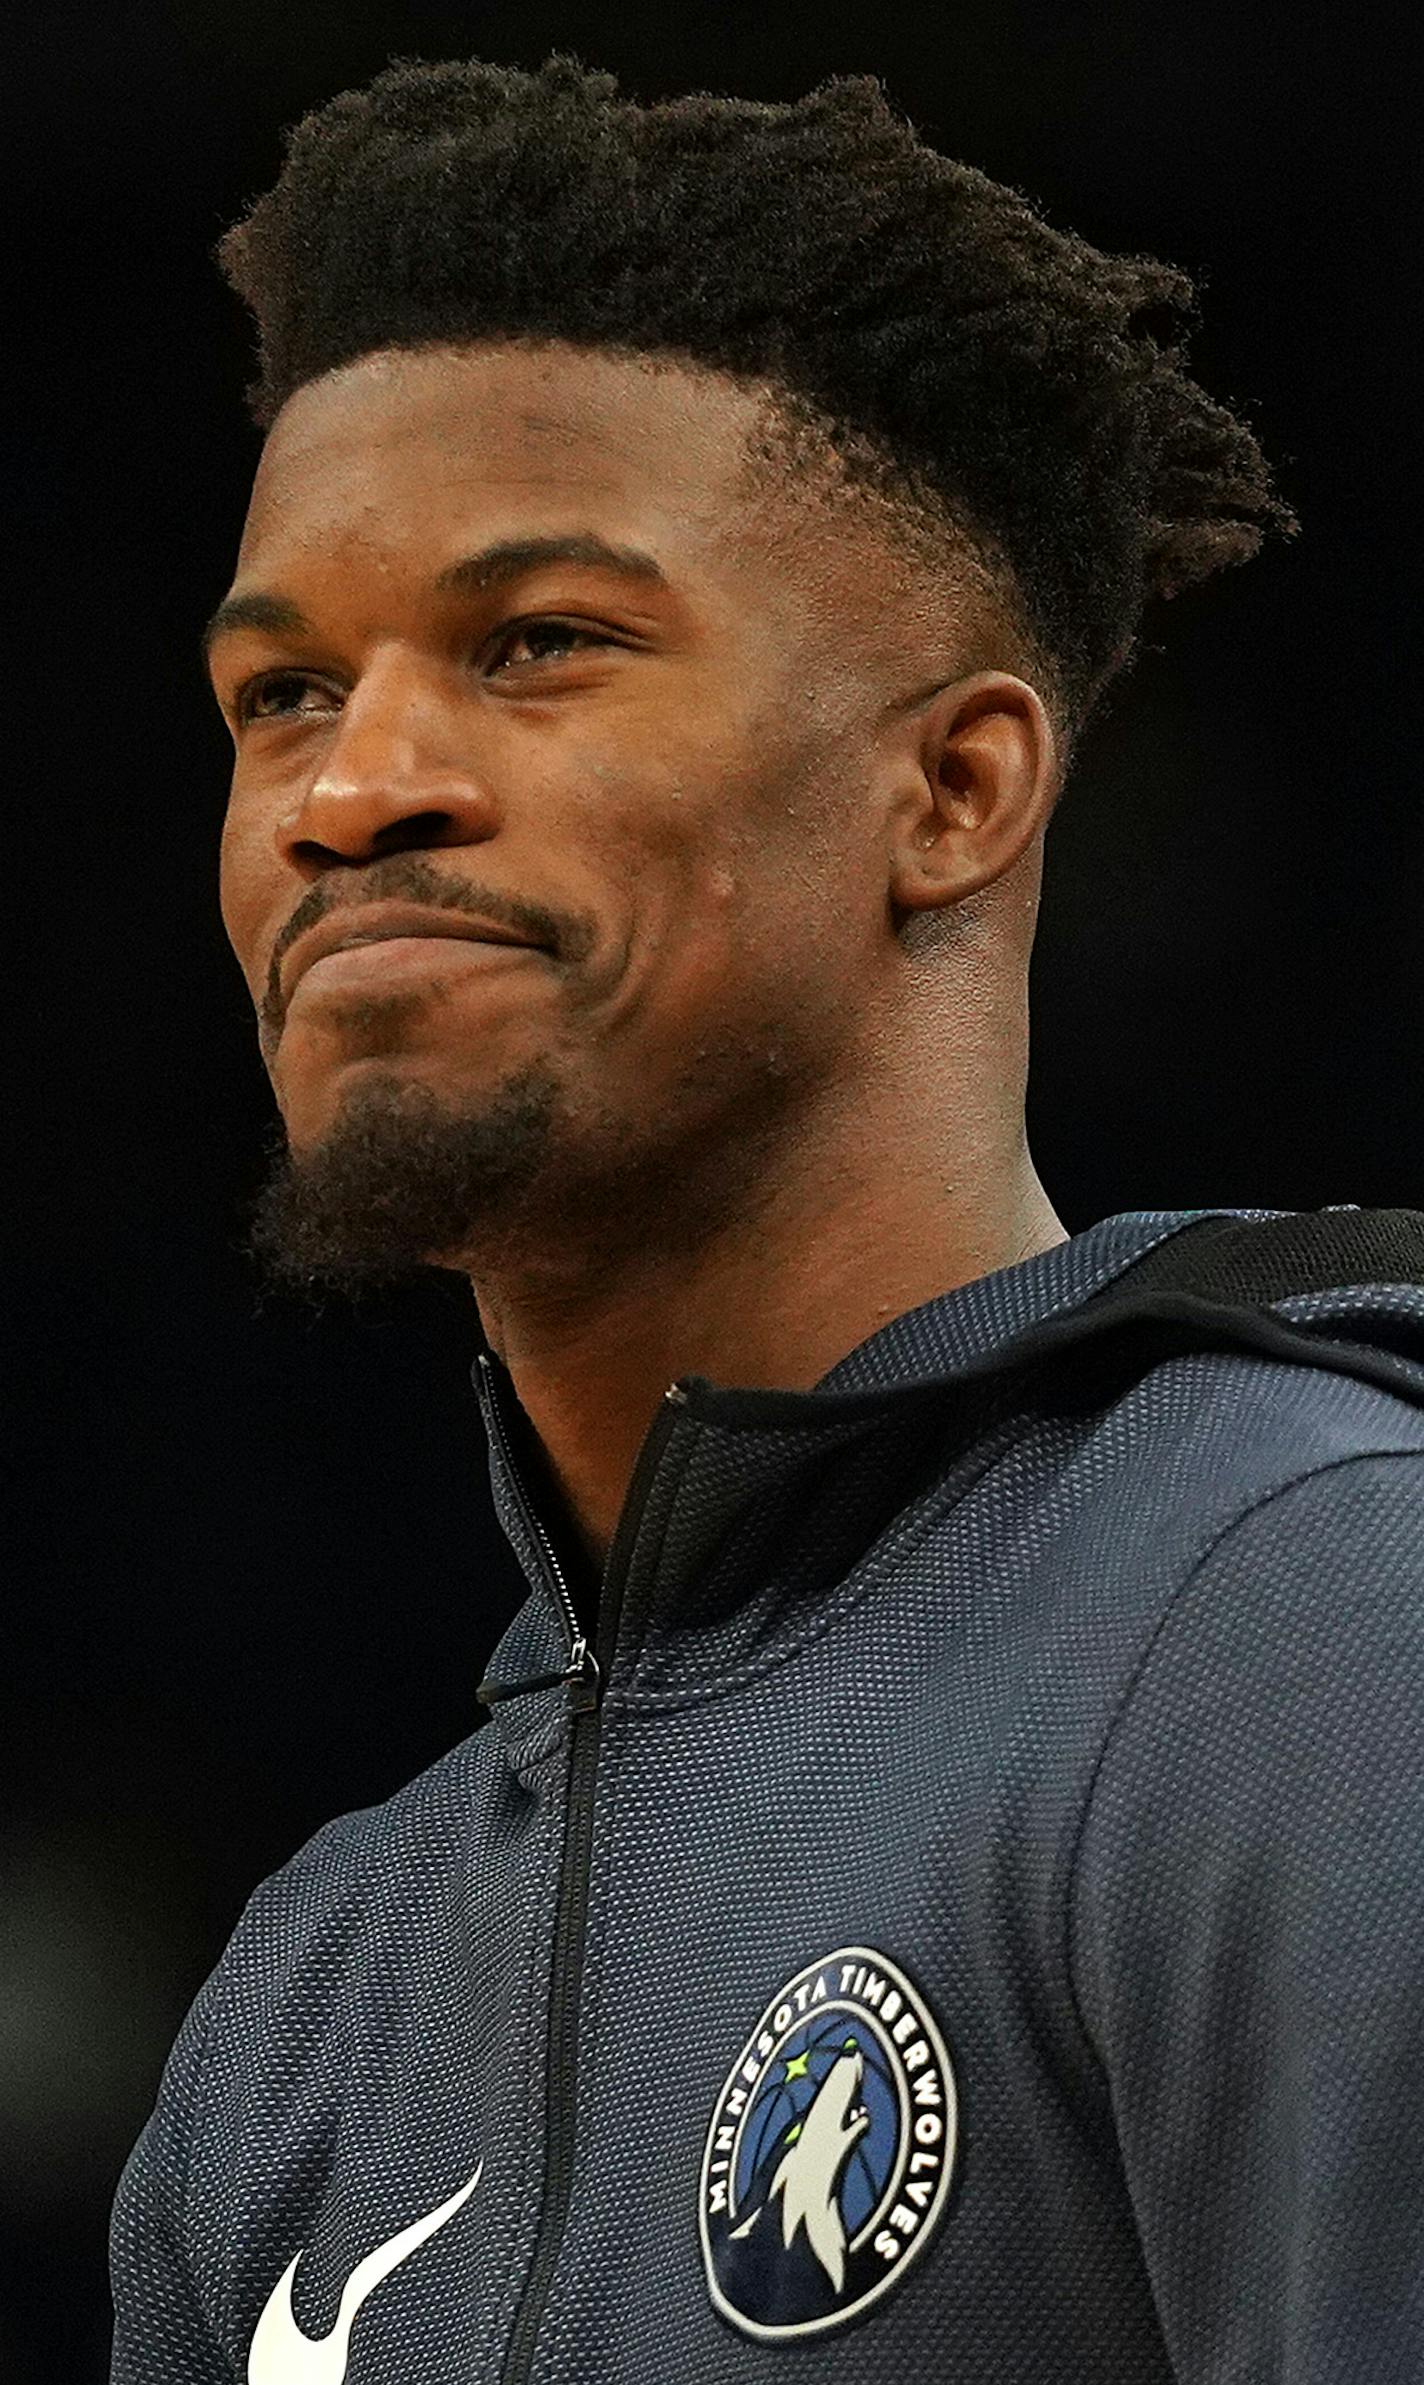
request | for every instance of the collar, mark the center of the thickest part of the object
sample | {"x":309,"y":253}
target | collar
{"x":743,"y":1501}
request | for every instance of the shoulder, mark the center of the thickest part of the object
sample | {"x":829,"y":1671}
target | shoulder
{"x":306,"y":1930}
{"x":1261,"y":1525}
{"x":262,"y":2058}
{"x":1168,"y":1476}
{"x":303,"y":1926}
{"x":1322,"y":1569}
{"x":1272,"y":1730}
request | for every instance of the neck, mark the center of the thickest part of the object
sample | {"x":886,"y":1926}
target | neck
{"x":773,"y":1304}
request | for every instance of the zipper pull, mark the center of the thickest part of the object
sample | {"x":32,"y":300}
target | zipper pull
{"x":585,"y":1682}
{"x":580,"y":1676}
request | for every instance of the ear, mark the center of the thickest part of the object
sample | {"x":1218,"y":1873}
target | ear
{"x":978,"y":776}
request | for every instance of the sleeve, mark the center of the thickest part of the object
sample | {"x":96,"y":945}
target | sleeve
{"x":1247,"y":1940}
{"x":161,"y":2336}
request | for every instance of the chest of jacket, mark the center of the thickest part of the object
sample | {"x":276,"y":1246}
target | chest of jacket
{"x":749,"y":2007}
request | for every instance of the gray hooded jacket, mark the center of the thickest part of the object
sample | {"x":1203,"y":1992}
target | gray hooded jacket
{"x":959,"y":1913}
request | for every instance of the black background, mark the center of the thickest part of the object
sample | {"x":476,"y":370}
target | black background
{"x":255,"y":1566}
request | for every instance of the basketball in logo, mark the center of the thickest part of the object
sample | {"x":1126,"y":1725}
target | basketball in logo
{"x":830,"y":2150}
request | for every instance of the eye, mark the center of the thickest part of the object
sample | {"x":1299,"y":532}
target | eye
{"x":541,"y":630}
{"x":256,"y":690}
{"x":536,"y":630}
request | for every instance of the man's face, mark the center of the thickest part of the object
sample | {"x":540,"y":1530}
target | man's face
{"x":658,"y":775}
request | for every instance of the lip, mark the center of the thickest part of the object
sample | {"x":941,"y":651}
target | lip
{"x":375,"y":923}
{"x":390,"y":961}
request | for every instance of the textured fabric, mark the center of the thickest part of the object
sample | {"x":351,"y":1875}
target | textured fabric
{"x":1097,"y":1725}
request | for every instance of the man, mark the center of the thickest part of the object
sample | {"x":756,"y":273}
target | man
{"x":939,"y":1893}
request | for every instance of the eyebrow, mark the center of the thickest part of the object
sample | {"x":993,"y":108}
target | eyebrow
{"x":507,"y":559}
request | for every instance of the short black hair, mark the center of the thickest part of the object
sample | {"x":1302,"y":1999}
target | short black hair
{"x":996,"y":378}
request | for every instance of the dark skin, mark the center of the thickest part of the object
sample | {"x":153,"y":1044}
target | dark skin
{"x":737,"y":1113}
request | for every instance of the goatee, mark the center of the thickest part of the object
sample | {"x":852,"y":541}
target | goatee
{"x":401,"y":1183}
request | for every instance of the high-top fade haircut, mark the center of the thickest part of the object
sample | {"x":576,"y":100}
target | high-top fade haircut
{"x":1013,"y":397}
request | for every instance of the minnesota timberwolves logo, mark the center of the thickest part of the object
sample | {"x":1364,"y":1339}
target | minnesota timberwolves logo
{"x":830,"y":2151}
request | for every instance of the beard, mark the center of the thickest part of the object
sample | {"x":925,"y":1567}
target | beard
{"x":403,"y":1183}
{"x":528,"y":1179}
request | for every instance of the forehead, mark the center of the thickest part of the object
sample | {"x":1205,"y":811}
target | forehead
{"x":419,"y":449}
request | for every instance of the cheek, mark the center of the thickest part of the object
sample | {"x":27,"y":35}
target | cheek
{"x":246,"y":888}
{"x":733,"y":957}
{"x":758,"y":883}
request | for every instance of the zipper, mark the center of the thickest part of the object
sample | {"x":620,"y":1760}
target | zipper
{"x":584,"y":1675}
{"x":581,"y":1672}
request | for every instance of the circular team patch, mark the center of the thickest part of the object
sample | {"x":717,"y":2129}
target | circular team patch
{"x":830,"y":2151}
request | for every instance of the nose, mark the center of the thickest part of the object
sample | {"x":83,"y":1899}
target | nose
{"x":399,"y":769}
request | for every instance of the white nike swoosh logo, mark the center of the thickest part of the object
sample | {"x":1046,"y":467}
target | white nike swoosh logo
{"x":281,"y":2355}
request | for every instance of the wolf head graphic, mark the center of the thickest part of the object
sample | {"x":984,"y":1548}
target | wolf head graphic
{"x":807,"y":2176}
